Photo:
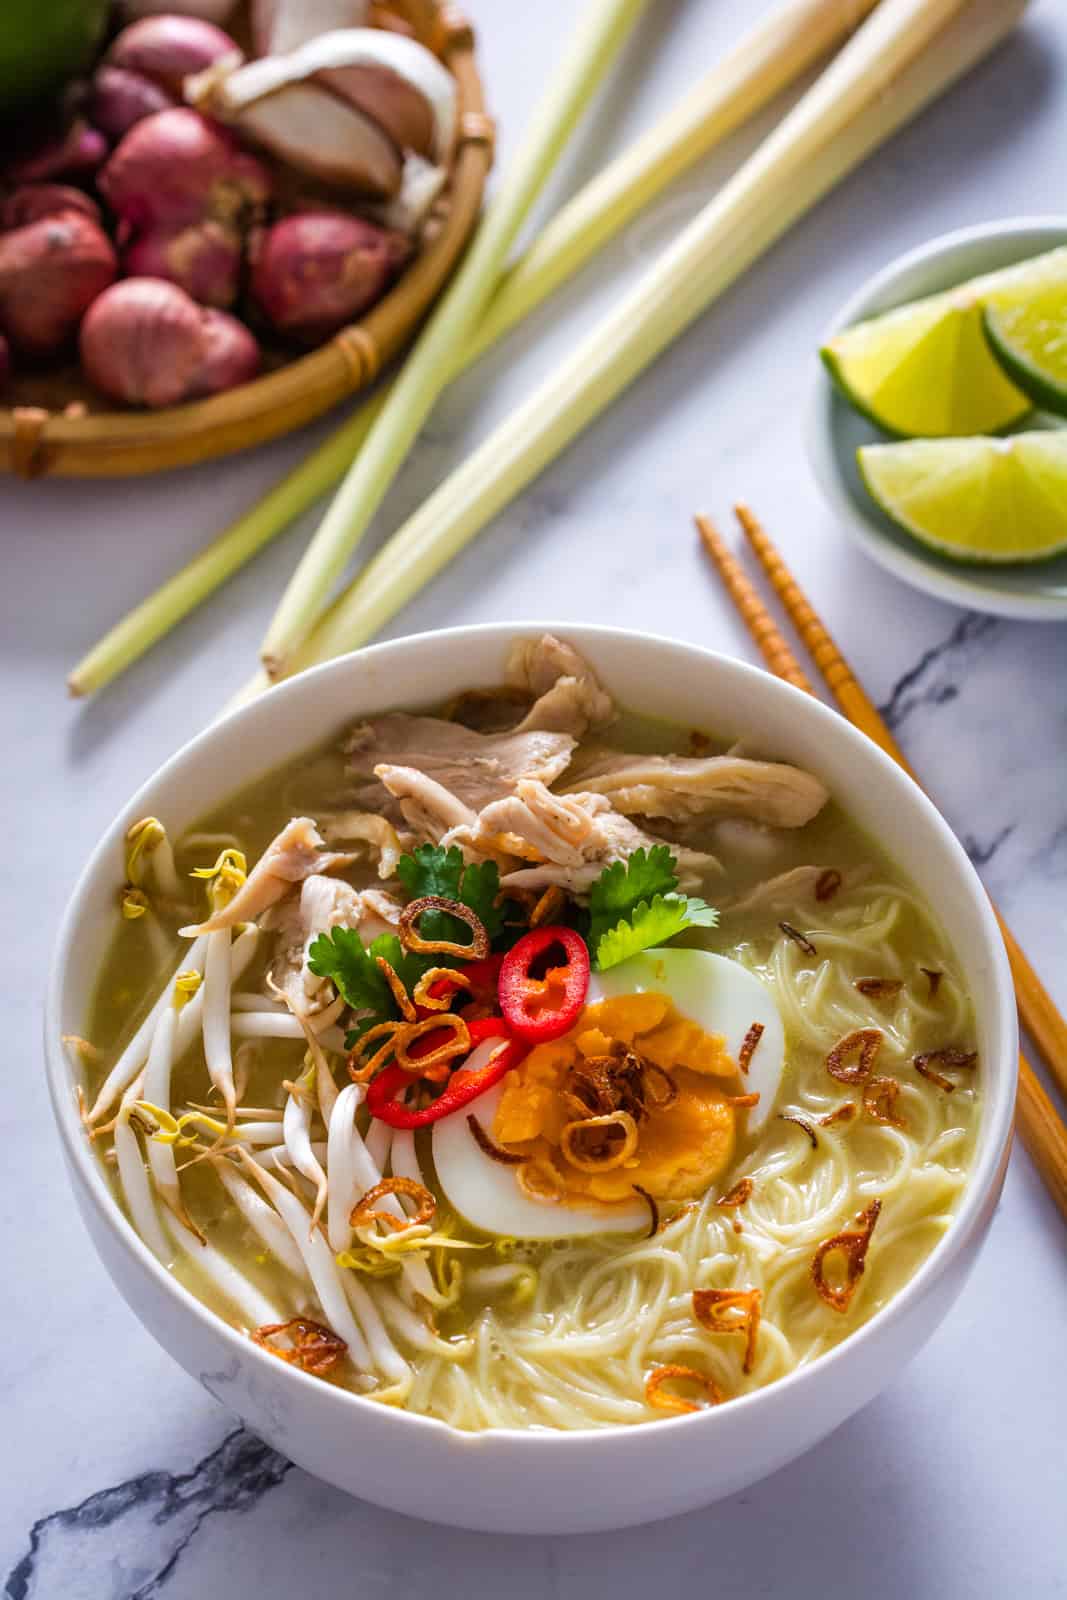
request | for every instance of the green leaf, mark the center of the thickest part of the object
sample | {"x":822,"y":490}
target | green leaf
{"x":431,"y":870}
{"x":623,"y":886}
{"x":651,"y":923}
{"x":340,"y":955}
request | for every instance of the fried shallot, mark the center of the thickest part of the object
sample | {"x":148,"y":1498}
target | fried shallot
{"x":592,"y":1143}
{"x":411,"y":939}
{"x":731,"y":1311}
{"x":396,"y":988}
{"x":363,"y":1211}
{"x":506,"y":1158}
{"x":803,"y":1124}
{"x":827,"y":884}
{"x":853,"y":1243}
{"x":947,"y":1057}
{"x":798,"y":938}
{"x":879,"y":1101}
{"x":842,"y":1113}
{"x":313,"y":1347}
{"x":663,"y":1400}
{"x":361,"y":1067}
{"x":853,"y":1057}
{"x":748,"y":1046}
{"x":879,"y":988}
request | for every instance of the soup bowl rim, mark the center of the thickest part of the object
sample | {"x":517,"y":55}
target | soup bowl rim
{"x":998,"y":1083}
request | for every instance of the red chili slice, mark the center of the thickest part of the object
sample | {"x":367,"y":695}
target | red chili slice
{"x":528,"y":1002}
{"x":462,"y":1087}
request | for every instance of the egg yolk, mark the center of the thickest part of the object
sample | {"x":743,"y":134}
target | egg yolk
{"x":682,"y":1147}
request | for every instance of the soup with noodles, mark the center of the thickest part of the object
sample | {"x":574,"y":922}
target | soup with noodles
{"x":527,"y":1064}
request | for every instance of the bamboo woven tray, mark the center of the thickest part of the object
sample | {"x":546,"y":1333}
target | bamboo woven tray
{"x":37,"y":438}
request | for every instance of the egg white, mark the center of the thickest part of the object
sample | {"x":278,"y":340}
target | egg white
{"x":719,"y":995}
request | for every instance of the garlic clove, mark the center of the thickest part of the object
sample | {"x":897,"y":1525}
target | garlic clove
{"x":321,"y":136}
{"x":230,"y":90}
{"x":404,"y":113}
{"x":279,"y":26}
{"x":407,"y":211}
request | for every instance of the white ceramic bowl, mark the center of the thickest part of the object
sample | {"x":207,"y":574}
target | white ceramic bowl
{"x":544,"y":1482}
{"x":1036,"y":591}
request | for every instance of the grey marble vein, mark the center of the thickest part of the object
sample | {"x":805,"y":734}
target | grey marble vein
{"x":934,"y":679}
{"x":123,"y":1543}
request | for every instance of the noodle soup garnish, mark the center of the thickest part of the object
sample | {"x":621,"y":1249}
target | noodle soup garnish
{"x":438,"y":1042}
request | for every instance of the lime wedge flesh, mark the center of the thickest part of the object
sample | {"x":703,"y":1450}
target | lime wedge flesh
{"x":926,"y":369}
{"x":975,"y":499}
{"x":1028,"y":333}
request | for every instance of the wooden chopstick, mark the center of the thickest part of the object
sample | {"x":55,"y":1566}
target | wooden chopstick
{"x":1039,"y":1015}
{"x":1037,"y":1120}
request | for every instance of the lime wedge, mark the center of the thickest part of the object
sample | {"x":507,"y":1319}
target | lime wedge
{"x":1026,"y":325}
{"x":926,"y":368}
{"x":975,"y":499}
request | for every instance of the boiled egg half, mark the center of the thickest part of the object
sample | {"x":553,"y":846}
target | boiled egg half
{"x":686,"y":1011}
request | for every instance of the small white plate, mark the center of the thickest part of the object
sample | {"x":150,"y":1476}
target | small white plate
{"x":1035,"y":591}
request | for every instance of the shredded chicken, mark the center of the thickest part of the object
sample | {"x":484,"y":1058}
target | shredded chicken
{"x":364,"y":827}
{"x":579,"y":835}
{"x":295,"y":854}
{"x":714,"y":786}
{"x":558,"y":828}
{"x":428,"y":807}
{"x":569,"y":696}
{"x":784,"y":890}
{"x":474,"y":767}
{"x":323,"y":903}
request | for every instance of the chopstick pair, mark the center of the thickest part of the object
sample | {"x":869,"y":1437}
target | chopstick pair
{"x":1037,"y":1119}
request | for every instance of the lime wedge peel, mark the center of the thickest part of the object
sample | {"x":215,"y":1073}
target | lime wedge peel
{"x":927,"y":368}
{"x":976,"y":500}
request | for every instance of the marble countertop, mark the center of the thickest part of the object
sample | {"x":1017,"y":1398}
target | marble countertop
{"x":121,"y":1477}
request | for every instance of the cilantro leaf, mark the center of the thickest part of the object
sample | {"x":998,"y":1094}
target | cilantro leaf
{"x":622,"y":887}
{"x":431,"y":870}
{"x":341,"y":955}
{"x":652,"y":923}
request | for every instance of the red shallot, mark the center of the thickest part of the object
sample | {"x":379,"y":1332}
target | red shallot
{"x":314,"y":272}
{"x":169,"y":49}
{"x":78,"y":149}
{"x":203,"y":258}
{"x":146,"y":342}
{"x":120,"y":98}
{"x":32,"y":201}
{"x":178,"y":167}
{"x":51,"y":270}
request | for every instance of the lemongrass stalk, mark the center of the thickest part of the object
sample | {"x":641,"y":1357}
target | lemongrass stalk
{"x":906,"y":53}
{"x":765,"y":61}
{"x":604,"y":26}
